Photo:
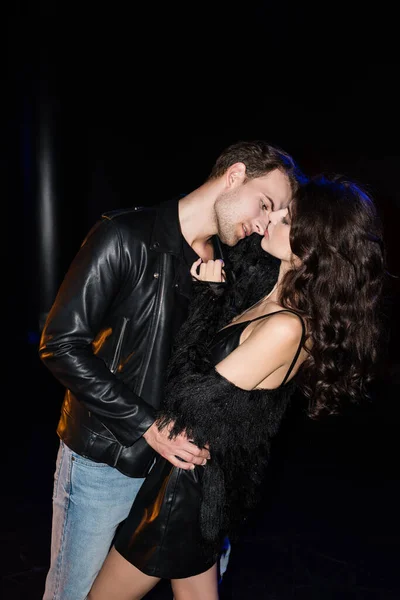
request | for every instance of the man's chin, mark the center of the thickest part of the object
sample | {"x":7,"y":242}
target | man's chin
{"x":232,"y":243}
{"x":231,"y":240}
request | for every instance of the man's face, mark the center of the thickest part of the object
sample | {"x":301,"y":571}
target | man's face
{"x":243,"y":208}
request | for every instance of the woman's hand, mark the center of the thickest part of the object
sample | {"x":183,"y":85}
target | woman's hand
{"x":212,"y":270}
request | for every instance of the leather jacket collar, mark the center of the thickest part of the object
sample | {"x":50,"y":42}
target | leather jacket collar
{"x":167,"y":235}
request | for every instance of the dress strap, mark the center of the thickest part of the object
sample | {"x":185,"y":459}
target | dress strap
{"x":296,"y":356}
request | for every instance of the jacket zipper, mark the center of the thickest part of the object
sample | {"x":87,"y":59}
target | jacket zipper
{"x":113,"y":368}
{"x":117,"y":354}
{"x":156,"y":320}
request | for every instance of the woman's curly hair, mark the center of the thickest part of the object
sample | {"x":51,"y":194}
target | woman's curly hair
{"x":337,"y":285}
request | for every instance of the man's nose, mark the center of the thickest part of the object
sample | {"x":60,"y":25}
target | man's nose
{"x":261,"y":225}
{"x":273,"y":215}
{"x":263,"y":222}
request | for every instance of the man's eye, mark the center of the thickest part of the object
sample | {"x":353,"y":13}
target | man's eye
{"x":264,"y":206}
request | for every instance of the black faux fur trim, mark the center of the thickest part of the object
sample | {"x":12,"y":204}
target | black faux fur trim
{"x":253,"y":274}
{"x":238,"y":425}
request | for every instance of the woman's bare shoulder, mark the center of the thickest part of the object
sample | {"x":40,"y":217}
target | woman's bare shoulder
{"x":286,"y":325}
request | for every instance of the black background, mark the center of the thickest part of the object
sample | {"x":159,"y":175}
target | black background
{"x":141,"y":98}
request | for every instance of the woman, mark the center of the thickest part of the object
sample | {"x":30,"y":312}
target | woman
{"x":229,"y":385}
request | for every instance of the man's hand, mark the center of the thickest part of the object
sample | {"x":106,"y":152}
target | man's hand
{"x":212,"y":270}
{"x":176,"y":449}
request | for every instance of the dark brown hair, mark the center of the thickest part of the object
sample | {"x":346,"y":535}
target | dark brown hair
{"x":337,"y":235}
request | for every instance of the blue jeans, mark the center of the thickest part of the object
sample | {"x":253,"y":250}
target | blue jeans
{"x":90,"y":500}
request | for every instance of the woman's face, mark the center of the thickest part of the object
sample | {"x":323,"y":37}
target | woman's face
{"x":276,"y":237}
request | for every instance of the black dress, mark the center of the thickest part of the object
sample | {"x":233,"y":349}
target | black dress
{"x":161,"y":535}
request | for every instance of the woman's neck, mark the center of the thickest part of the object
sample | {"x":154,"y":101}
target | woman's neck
{"x":274,"y":294}
{"x":268,"y":302}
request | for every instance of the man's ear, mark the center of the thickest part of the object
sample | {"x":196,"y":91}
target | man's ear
{"x":235,"y":174}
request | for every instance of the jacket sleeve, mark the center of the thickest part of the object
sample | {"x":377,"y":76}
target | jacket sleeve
{"x":66,"y":347}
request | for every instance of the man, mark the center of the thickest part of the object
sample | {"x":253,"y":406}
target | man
{"x":108,"y":339}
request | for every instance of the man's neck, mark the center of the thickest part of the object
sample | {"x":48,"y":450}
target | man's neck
{"x":204,"y":249}
{"x":197,"y":219}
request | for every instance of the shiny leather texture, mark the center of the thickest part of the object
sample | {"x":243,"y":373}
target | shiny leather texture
{"x":161,"y":535}
{"x":107,"y":338}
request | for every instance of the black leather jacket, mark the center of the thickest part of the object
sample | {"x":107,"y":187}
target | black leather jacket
{"x":108,"y":336}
